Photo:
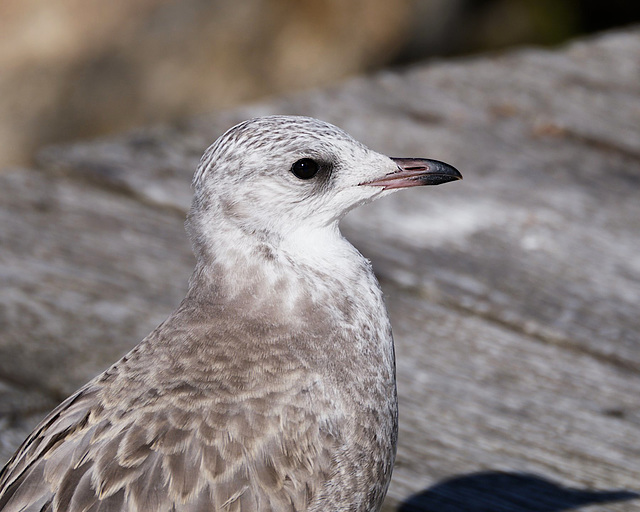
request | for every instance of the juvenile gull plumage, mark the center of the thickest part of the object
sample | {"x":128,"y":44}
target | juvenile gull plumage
{"x":272,"y":386}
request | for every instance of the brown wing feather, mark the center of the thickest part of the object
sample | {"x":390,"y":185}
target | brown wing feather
{"x":85,"y":458}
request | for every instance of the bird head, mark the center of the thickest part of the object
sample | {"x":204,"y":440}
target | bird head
{"x":281,"y":175}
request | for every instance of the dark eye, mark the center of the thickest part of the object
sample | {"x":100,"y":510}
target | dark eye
{"x":305,"y":169}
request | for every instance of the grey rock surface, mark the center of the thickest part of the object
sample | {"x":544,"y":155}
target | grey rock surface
{"x":513,"y":295}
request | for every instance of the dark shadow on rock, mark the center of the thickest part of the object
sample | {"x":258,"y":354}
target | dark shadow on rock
{"x":495,"y":491}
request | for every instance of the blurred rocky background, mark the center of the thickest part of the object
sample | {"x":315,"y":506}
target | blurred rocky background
{"x":73,"y":69}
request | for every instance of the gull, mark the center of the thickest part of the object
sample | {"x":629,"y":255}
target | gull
{"x":272,"y":386}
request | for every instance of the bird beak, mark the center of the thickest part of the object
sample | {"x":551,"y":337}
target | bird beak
{"x":414,"y":172}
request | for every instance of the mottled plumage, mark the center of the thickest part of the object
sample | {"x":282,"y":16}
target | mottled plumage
{"x":272,"y":386}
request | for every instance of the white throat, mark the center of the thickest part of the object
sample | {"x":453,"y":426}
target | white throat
{"x":306,"y":263}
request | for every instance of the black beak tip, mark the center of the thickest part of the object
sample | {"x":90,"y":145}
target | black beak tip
{"x":441,"y":172}
{"x":441,"y":176}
